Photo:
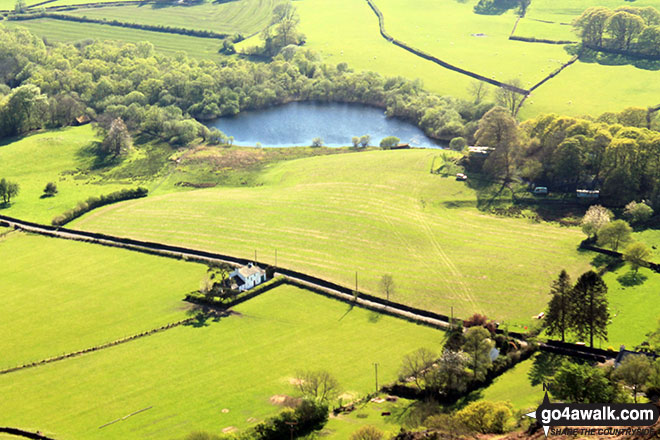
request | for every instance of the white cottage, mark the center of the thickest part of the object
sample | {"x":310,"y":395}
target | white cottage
{"x":246,"y":277}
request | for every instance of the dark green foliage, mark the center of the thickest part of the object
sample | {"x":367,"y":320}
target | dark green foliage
{"x":161,"y":95}
{"x":8,"y":190}
{"x":582,"y":383}
{"x":558,"y":316}
{"x":590,"y":315}
{"x":389,"y":142}
{"x":307,"y":417}
{"x":96,"y":202}
{"x":50,"y":190}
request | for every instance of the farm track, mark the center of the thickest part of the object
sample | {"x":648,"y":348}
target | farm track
{"x":315,"y":284}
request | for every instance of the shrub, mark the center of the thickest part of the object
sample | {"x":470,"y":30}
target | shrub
{"x":50,"y":190}
{"x":458,"y":143}
{"x":637,"y":212}
{"x":367,"y":433}
{"x":96,"y":202}
{"x":389,"y":142}
{"x":307,"y":417}
{"x":486,"y":417}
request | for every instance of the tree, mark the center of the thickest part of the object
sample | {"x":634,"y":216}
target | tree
{"x":591,"y":25}
{"x":636,"y":254}
{"x":558,"y":315}
{"x":356,"y":141}
{"x":416,"y":364}
{"x":486,"y":417}
{"x":614,"y":234}
{"x":477,"y":89}
{"x":478,"y":346}
{"x":582,"y":383}
{"x":25,"y":109}
{"x":364,"y":140}
{"x":499,"y":130}
{"x":8,"y":190}
{"x":20,"y":6}
{"x":317,"y":142}
{"x":648,"y":41}
{"x":590,"y":315}
{"x":595,"y":218}
{"x":318,"y":385}
{"x":508,"y":98}
{"x":637,"y":212}
{"x":624,"y":27}
{"x":634,"y":371}
{"x":50,"y":190}
{"x":652,"y":384}
{"x":367,"y":432}
{"x":117,"y":141}
{"x":458,"y":143}
{"x":387,"y":285}
{"x":389,"y":142}
{"x":449,"y":377}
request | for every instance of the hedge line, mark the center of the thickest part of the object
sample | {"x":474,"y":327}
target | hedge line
{"x":541,"y":40}
{"x":200,"y":298}
{"x":96,"y":202}
{"x":145,"y":27}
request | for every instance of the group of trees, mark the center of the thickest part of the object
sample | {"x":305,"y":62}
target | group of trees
{"x":166,"y":96}
{"x":8,"y":190}
{"x":598,"y":225}
{"x":614,"y":153}
{"x":625,"y":29}
{"x":282,"y":31}
{"x":579,"y":309}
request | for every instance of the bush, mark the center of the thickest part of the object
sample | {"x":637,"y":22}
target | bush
{"x":637,"y":212}
{"x":486,"y":417}
{"x":367,"y":433}
{"x":50,"y":190}
{"x":96,"y":202}
{"x":458,"y":143}
{"x":389,"y":142}
{"x":307,"y":417}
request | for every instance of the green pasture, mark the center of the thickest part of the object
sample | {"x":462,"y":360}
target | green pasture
{"x":634,"y":306}
{"x":347,"y":31}
{"x":373,"y":213}
{"x":60,"y":296}
{"x":451,"y":31}
{"x":564,"y":11}
{"x":244,"y":16}
{"x":513,"y":386}
{"x":650,"y":237}
{"x":168,"y":44}
{"x":212,"y":377}
{"x":592,"y":89}
{"x":531,"y":28}
{"x":53,"y":156}
{"x":341,"y":427}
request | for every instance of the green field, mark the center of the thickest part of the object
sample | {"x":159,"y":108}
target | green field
{"x":513,"y":386}
{"x":374,"y":212}
{"x":245,"y":16}
{"x":168,"y":44}
{"x":564,"y":11}
{"x":634,"y":309}
{"x":190,"y":374}
{"x":530,"y":28}
{"x":54,"y":156}
{"x":355,"y":39}
{"x":64,"y":296}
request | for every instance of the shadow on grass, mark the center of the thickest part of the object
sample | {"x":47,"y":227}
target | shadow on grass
{"x":631,"y":279}
{"x":374,"y":317}
{"x":348,"y":310}
{"x":413,"y":415}
{"x":204,"y":316}
{"x":611,"y":59}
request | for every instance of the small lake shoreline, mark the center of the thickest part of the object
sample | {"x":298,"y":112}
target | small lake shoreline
{"x":297,"y":123}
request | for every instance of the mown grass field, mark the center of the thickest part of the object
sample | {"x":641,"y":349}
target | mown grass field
{"x":244,"y":16}
{"x":355,"y":39}
{"x":54,"y":156}
{"x":375,"y":212}
{"x":168,"y":44}
{"x":531,"y":28}
{"x":634,"y":308}
{"x":190,"y":374}
{"x":453,"y":32}
{"x":564,"y":11}
{"x":60,"y":296}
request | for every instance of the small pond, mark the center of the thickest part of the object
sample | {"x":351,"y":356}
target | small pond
{"x":298,"y":123}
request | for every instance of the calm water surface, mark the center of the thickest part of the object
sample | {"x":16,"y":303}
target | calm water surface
{"x":298,"y":123}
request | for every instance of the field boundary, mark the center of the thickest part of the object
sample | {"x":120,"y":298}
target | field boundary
{"x":540,"y":40}
{"x":438,"y":61}
{"x":123,"y":24}
{"x":23,"y":433}
{"x":546,"y":79}
{"x":98,"y":347}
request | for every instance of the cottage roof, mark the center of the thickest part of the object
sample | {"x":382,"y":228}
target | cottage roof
{"x":250,"y":269}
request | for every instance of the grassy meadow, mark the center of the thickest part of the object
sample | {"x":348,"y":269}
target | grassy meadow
{"x":245,"y":16}
{"x":64,"y":296}
{"x":374,"y":212}
{"x":214,"y":377}
{"x":168,"y":44}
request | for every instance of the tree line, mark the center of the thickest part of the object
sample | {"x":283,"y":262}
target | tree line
{"x":614,"y":152}
{"x":49,"y":86}
{"x":626,"y":29}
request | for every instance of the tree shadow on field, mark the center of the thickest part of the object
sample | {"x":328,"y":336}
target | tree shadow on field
{"x":415,"y":413}
{"x":630,"y":279}
{"x":374,"y":317}
{"x":610,"y":59}
{"x":605,"y":261}
{"x":203,"y":316}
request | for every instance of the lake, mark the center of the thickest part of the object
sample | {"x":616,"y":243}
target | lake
{"x":298,"y":123}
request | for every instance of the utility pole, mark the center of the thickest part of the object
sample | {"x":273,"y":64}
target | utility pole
{"x":275,"y":257}
{"x":356,"y":283}
{"x":376,"y":371}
